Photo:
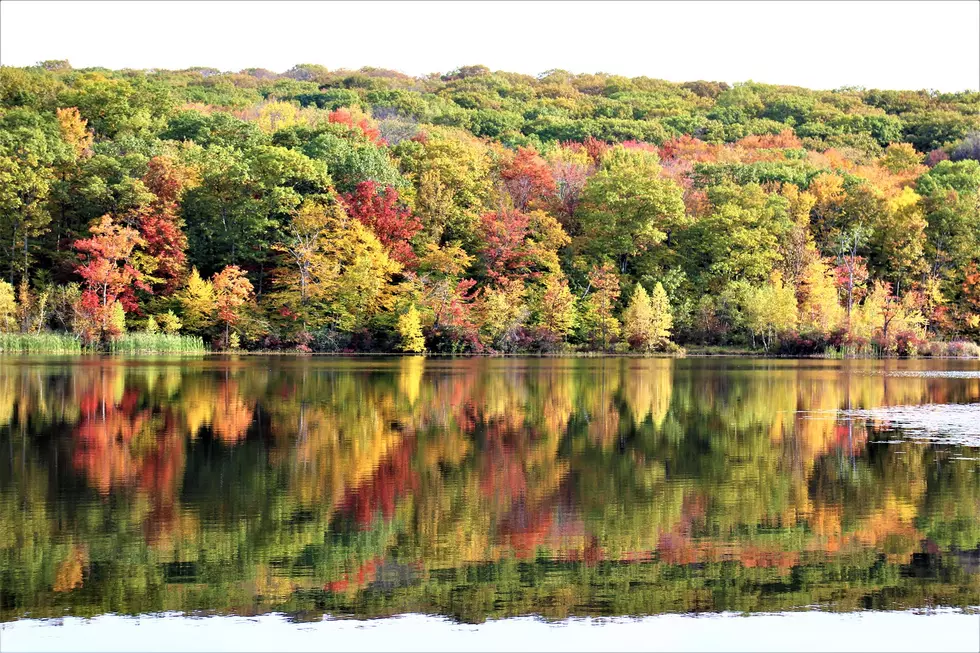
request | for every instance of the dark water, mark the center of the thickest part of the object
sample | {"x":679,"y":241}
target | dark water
{"x":476,"y":489}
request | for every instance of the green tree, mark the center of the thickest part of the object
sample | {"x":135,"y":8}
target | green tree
{"x":627,"y":208}
{"x":740,"y":238}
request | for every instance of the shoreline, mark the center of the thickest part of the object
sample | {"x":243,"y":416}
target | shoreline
{"x":695,"y":353}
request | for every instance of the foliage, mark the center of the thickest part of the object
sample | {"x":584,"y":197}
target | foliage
{"x":8,"y":308}
{"x":486,"y":200}
{"x":110,"y":279}
{"x":647,"y":321}
{"x":410,"y":330}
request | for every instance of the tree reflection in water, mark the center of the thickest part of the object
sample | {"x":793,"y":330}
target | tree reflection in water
{"x":478,"y":488}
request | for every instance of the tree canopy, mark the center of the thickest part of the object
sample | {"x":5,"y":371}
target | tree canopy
{"x":342,"y":196}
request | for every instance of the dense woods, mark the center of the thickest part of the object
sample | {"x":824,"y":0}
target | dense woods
{"x":481,"y":211}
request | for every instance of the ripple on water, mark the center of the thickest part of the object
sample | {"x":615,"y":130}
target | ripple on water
{"x":945,"y":423}
{"x":924,"y":374}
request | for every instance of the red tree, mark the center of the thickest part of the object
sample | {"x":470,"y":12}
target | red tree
{"x":345,"y":117}
{"x":528,"y":179}
{"x":504,"y":252}
{"x":159,"y":222}
{"x":569,"y":179}
{"x":108,"y":276}
{"x":595,"y":148}
{"x":392,"y":223}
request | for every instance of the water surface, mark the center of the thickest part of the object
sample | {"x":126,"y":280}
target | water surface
{"x":479,"y":490}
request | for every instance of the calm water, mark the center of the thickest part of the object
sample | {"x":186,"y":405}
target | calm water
{"x":575,"y":491}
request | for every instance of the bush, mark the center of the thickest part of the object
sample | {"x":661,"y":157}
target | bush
{"x":954,"y":349}
{"x":803,"y":344}
{"x":536,"y":340}
{"x":908,"y":343}
{"x":454,"y":340}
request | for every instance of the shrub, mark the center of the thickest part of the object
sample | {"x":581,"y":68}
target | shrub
{"x":954,"y":349}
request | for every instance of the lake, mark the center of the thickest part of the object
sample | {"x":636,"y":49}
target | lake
{"x":553,"y":503}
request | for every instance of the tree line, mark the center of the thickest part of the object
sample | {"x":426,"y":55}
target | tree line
{"x":481,"y":211}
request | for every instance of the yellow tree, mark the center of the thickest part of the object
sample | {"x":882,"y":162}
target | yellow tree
{"x":338,"y":272}
{"x":502,"y":311}
{"x":663,"y":320}
{"x":647,"y":320}
{"x":8,"y":307}
{"x":555,"y":309}
{"x":770,"y":310}
{"x":820,"y":310}
{"x":198,"y":302}
{"x":74,"y":130}
{"x":410,"y":330}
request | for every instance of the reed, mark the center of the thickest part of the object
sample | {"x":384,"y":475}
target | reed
{"x":39,"y":343}
{"x":157,"y":343}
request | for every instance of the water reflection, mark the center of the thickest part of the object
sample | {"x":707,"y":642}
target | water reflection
{"x":480,"y":488}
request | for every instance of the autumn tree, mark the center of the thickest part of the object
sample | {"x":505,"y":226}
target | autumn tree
{"x":770,"y":310}
{"x":74,"y":130}
{"x":503,"y":311}
{"x":570,"y":170}
{"x":647,"y":320}
{"x":555,"y":309}
{"x":852,"y":271}
{"x":232,"y":290}
{"x":198,"y":302}
{"x":898,"y":238}
{"x":452,"y":173}
{"x":818,"y":299}
{"x":338,"y":274}
{"x":160,"y":224}
{"x":503,"y":253}
{"x":108,"y":275}
{"x":381,"y":211}
{"x":448,"y":295}
{"x":528,"y":179}
{"x":410,"y":330}
{"x":8,"y":307}
{"x":598,"y":321}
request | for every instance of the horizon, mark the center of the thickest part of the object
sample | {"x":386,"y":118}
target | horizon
{"x":833,"y":51}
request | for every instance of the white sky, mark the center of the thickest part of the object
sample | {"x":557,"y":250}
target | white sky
{"x":895,"y":45}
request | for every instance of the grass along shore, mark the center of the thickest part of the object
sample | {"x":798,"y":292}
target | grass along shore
{"x":136,"y":343}
{"x":129,"y":343}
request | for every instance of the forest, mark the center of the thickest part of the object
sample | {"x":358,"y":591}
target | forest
{"x":482,"y":212}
